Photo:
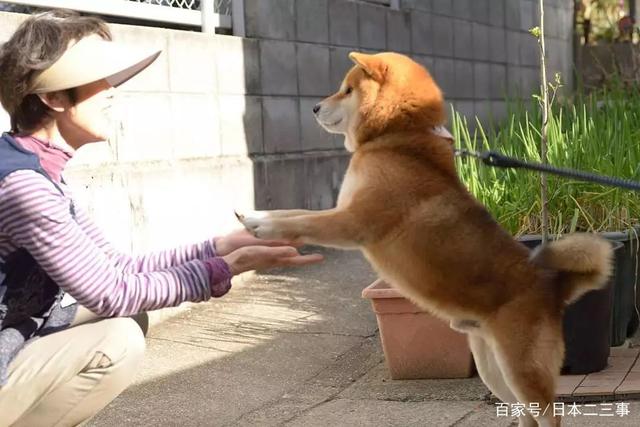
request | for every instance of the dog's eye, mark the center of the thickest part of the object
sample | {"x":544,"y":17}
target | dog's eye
{"x":348,"y":90}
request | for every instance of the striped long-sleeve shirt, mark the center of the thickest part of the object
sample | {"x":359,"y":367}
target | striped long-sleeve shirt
{"x":35,"y":216}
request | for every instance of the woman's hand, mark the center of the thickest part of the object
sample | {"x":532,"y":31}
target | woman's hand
{"x":241,"y":238}
{"x":263,"y":257}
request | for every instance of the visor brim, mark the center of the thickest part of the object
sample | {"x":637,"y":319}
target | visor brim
{"x":92,"y":59}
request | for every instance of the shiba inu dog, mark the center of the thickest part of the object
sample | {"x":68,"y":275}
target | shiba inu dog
{"x":403,"y":205}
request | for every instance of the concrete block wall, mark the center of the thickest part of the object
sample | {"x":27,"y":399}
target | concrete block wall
{"x":479,"y":51}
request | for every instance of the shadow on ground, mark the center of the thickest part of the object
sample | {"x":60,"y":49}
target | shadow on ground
{"x":273,"y":334}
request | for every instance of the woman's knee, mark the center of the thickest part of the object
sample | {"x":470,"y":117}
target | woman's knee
{"x":94,"y":363}
{"x":123,"y":345}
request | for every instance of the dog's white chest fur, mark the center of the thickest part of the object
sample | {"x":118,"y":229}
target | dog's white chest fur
{"x":348,"y":188}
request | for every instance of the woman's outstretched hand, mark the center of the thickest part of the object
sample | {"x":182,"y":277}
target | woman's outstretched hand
{"x":263,"y":257}
{"x":240,"y":238}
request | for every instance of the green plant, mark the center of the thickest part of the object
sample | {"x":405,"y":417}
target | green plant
{"x":599,"y":133}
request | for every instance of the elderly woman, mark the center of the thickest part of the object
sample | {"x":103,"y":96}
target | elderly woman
{"x":67,"y":347}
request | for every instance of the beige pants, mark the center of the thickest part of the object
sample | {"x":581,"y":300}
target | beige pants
{"x":65,"y":378}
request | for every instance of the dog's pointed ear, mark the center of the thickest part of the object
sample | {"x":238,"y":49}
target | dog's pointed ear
{"x":371,"y":64}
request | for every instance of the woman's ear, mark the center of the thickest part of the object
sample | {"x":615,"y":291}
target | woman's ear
{"x":373,"y":65}
{"x":58,"y":101}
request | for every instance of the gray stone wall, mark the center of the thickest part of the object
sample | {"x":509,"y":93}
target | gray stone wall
{"x":479,"y":51}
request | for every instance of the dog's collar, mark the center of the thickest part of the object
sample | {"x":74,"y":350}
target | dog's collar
{"x":442,"y":132}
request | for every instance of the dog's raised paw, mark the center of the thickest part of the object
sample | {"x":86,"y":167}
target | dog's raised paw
{"x":259,"y":227}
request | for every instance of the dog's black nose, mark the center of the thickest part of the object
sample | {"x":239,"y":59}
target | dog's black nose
{"x":316,"y":108}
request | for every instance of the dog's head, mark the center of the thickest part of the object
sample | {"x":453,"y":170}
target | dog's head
{"x":382,"y":93}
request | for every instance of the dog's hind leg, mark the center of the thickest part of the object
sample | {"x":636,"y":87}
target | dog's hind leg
{"x":492,"y":377}
{"x":530,"y":369}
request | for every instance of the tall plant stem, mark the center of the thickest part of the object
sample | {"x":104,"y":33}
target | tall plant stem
{"x":545,"y":121}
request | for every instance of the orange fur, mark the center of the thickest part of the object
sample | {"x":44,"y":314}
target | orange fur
{"x":399,"y":98}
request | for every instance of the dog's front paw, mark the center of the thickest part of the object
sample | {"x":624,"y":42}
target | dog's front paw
{"x":261,"y":226}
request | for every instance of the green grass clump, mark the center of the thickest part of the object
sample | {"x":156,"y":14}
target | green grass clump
{"x":599,"y":133}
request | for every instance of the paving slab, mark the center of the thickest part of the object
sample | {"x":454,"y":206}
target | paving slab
{"x":485,"y":415}
{"x":345,"y":412}
{"x":376,"y":384}
{"x":581,"y":420}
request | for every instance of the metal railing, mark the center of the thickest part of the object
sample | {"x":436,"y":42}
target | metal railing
{"x":223,"y":7}
{"x":207,"y":14}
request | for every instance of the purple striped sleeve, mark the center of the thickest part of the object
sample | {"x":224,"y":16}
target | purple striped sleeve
{"x":219,"y":276}
{"x":36,"y":217}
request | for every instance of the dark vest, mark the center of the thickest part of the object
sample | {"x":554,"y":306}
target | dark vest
{"x":29,"y":298}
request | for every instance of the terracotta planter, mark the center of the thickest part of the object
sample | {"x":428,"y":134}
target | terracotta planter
{"x":416,"y":344}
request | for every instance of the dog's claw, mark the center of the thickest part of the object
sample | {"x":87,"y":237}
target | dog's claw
{"x":256,"y":223}
{"x":246,"y":223}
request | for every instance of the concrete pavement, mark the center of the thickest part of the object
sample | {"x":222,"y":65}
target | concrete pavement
{"x":295,"y":348}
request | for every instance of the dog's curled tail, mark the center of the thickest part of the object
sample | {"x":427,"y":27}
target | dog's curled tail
{"x":584,"y":263}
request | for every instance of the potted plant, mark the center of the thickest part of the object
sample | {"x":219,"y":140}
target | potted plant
{"x":417,"y":344}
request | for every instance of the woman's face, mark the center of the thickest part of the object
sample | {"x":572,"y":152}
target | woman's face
{"x":88,"y":120}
